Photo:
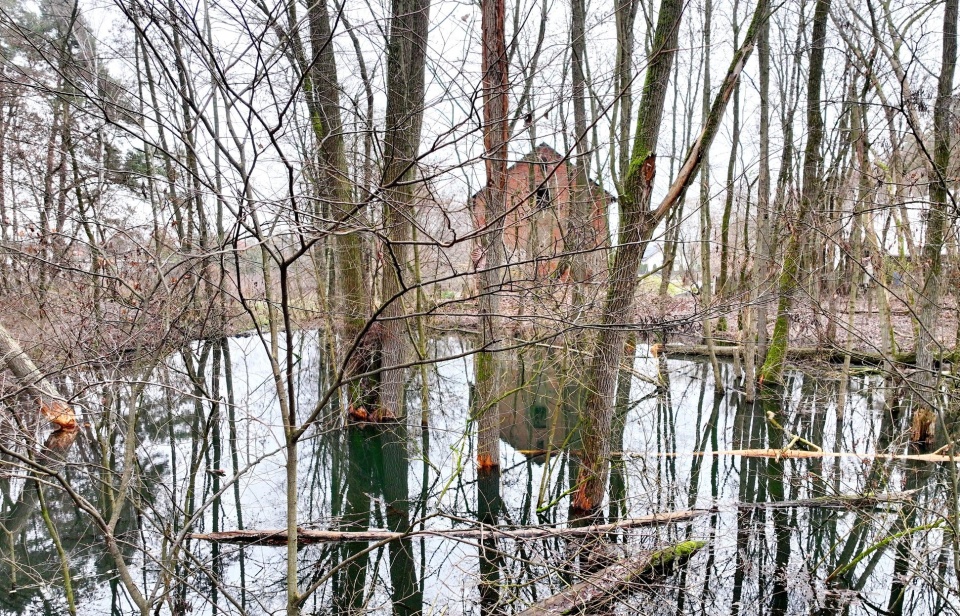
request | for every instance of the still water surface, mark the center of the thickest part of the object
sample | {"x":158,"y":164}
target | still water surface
{"x":209,"y":440}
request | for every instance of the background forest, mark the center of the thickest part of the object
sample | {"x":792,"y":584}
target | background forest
{"x":276,"y":268}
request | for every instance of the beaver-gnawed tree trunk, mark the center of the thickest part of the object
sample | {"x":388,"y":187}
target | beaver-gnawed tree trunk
{"x":51,"y":404}
{"x":637,"y":224}
{"x":496,"y":123}
{"x":406,"y":60}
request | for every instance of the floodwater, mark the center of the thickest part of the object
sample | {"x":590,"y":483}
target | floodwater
{"x":208,"y":448}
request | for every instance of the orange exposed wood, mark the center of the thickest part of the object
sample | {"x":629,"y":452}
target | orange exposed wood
{"x":485,"y":462}
{"x":60,"y":414}
{"x":581,"y":500}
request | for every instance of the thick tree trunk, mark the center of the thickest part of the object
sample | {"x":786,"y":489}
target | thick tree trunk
{"x":333,"y":184}
{"x":406,"y":61}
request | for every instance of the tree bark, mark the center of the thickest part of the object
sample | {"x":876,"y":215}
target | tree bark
{"x":937,"y":222}
{"x":495,"y":134}
{"x":605,"y":585}
{"x":772,"y":370}
{"x":406,"y":61}
{"x":52,"y":405}
{"x":637,"y":225}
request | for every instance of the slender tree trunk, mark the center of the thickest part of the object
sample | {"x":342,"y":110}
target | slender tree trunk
{"x":723,"y":284}
{"x":637,"y":225}
{"x":626,"y":17}
{"x":772,"y":370}
{"x":496,"y":123}
{"x":706,"y":226}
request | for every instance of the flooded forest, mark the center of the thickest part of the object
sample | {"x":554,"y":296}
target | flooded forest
{"x":535,"y":307}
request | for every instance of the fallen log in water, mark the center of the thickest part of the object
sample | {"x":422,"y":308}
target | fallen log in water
{"x":800,"y":453}
{"x":306,"y":536}
{"x":839,"y":500}
{"x":52,"y":405}
{"x":834,"y":355}
{"x":605,"y":585}
{"x":762,"y":453}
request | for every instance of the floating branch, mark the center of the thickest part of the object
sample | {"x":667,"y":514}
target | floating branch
{"x":607,"y":584}
{"x":306,"y":536}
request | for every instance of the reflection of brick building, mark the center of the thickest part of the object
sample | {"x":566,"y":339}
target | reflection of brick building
{"x":540,"y":192}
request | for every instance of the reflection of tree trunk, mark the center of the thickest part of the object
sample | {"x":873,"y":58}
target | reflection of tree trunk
{"x":392,"y":468}
{"x":488,"y":511}
{"x":776,"y":479}
{"x":53,"y":458}
{"x":234,"y":459}
{"x":350,"y":584}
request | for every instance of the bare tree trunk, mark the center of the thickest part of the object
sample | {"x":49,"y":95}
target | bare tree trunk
{"x":772,"y":370}
{"x":626,"y":16}
{"x":637,"y":225}
{"x":764,"y":250}
{"x":496,"y":124}
{"x":406,"y":61}
{"x":333,"y":184}
{"x":723,"y":284}
{"x":938,"y":223}
{"x":580,"y":238}
{"x":706,"y":226}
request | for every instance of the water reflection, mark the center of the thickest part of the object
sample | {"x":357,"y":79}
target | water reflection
{"x":208,"y":441}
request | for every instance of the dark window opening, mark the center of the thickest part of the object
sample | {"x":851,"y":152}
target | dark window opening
{"x":543,"y":197}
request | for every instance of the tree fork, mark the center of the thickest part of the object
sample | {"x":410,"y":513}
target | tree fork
{"x":637,"y":227}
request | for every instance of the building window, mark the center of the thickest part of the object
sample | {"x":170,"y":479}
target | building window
{"x":543,"y":197}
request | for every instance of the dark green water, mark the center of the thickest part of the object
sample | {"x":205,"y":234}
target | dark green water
{"x":209,"y":447}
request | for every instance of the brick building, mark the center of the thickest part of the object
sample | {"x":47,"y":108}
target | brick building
{"x":539,"y":196}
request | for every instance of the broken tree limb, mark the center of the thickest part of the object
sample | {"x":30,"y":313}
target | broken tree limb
{"x":607,"y":584}
{"x":52,"y":405}
{"x":306,"y":536}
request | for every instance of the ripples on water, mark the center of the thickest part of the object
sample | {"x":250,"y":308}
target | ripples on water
{"x":761,"y":559}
